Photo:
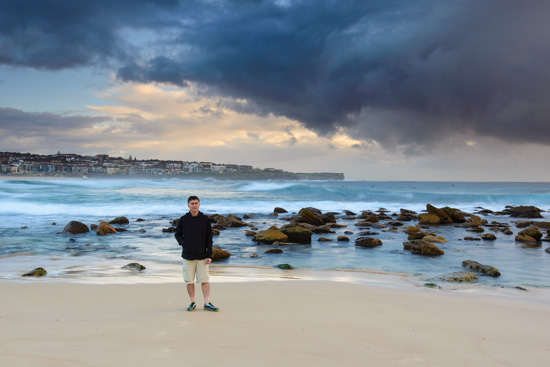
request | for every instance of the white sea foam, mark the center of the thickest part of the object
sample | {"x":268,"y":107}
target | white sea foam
{"x":265,"y":186}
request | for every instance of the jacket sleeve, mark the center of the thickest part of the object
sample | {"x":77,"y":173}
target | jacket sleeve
{"x":209,"y":240}
{"x":180,"y":237}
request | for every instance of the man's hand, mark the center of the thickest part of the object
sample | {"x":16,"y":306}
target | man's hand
{"x":208,"y":261}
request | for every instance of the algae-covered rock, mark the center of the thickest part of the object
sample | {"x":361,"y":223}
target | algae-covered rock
{"x":231,"y":221}
{"x":474,"y":221}
{"x":435,"y":238}
{"x":36,"y":272}
{"x":75,"y":227}
{"x":412,"y":229}
{"x":421,"y":247}
{"x":432,"y":285}
{"x":459,"y":277}
{"x":311,"y":216}
{"x":342,"y":239}
{"x":105,"y":228}
{"x":526,"y":239}
{"x":219,"y":254}
{"x":269,"y":236}
{"x":427,"y":218}
{"x":533,"y":232}
{"x":284,"y":266}
{"x":297,"y":234}
{"x":324,"y":239}
{"x":445,"y":219}
{"x":120,"y":220}
{"x":134,"y":267}
{"x":479,"y":268}
{"x":274,"y":251}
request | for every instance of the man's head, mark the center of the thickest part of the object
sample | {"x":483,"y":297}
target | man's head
{"x":194,"y":204}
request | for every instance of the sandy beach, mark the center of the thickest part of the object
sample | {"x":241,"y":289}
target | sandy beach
{"x":271,"y":323}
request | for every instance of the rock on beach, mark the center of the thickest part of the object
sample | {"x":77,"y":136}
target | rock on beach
{"x":219,"y":254}
{"x":134,"y":267}
{"x":36,"y":272}
{"x":459,"y":277}
{"x":479,"y":268}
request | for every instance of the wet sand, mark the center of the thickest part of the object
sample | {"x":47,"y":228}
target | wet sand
{"x":323,"y":322}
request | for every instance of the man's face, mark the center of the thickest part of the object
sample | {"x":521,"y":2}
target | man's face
{"x":194,"y":206}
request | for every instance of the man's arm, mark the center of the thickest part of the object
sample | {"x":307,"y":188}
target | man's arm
{"x":208,"y":240}
{"x":180,"y":237}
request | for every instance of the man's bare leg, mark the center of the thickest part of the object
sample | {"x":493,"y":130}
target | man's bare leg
{"x":206,"y":292}
{"x":191,"y":291}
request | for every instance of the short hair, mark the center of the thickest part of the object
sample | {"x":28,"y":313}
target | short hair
{"x":193,"y":197}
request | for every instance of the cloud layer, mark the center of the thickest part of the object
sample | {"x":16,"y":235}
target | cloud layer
{"x":401,"y":73}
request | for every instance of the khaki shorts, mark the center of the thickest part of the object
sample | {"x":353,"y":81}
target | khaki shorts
{"x":195,"y":268}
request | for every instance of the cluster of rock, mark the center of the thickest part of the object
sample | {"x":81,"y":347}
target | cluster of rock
{"x":75,"y":227}
{"x":309,"y":221}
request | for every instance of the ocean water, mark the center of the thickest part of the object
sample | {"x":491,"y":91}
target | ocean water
{"x":34,"y":211}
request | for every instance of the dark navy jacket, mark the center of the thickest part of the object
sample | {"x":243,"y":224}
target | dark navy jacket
{"x":194,"y":234}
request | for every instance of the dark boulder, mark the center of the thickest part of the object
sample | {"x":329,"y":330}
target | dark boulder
{"x":219,"y":254}
{"x":310,"y":216}
{"x":488,"y":237}
{"x":105,"y":228}
{"x":525,"y":212}
{"x":280,"y":210}
{"x":342,"y":239}
{"x":526,"y":239}
{"x":421,"y":247}
{"x":120,"y":220}
{"x":297,"y":234}
{"x":328,"y":218}
{"x":444,"y":217}
{"x":532,"y":232}
{"x":231,"y":221}
{"x":74,"y":227}
{"x":284,"y":266}
{"x":274,"y":251}
{"x":368,"y":242}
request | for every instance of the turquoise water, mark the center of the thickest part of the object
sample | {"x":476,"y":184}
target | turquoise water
{"x":29,"y":207}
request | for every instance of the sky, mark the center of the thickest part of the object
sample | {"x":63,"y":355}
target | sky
{"x":423,"y":90}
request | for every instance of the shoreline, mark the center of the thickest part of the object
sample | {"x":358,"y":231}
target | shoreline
{"x":110,"y":273}
{"x":291,"y":322}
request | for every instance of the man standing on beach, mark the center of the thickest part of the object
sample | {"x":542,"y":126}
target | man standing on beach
{"x":194,"y":234}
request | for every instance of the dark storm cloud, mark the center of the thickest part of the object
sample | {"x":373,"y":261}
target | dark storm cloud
{"x":14,"y":122}
{"x":398,"y":72}
{"x":58,"y":34}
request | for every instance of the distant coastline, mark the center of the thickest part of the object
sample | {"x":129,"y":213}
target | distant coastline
{"x":253,"y":175}
{"x":14,"y":164}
